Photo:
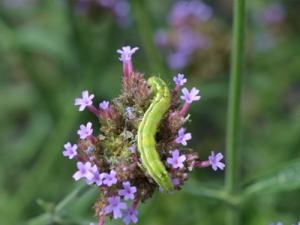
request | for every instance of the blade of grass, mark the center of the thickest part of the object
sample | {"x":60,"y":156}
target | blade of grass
{"x":232,"y":166}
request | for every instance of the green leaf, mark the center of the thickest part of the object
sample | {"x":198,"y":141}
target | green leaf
{"x":200,"y":190}
{"x":285,"y":178}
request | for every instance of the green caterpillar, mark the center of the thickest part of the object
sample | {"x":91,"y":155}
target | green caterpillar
{"x":147,"y":131}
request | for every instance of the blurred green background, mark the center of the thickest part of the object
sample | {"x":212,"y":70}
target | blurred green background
{"x":51,"y":50}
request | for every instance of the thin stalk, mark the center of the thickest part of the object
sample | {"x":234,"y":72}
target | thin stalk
{"x":232,"y":170}
{"x":142,"y":19}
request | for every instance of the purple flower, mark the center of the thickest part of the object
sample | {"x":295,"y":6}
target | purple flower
{"x":114,"y":206}
{"x":90,"y":149}
{"x":84,"y":101}
{"x":110,"y":178}
{"x":130,"y":215}
{"x":104,"y":105}
{"x":132,"y":149}
{"x":97,"y":177}
{"x":274,"y":14}
{"x":184,"y":10}
{"x":84,"y":171}
{"x":70,"y":151}
{"x":189,"y":41}
{"x":178,"y":60}
{"x":176,"y":182}
{"x":129,"y":113}
{"x":85,"y":131}
{"x":179,"y":80}
{"x":106,"y":3}
{"x":191,"y":96}
{"x":215,"y":161}
{"x":200,"y":10}
{"x":176,"y":160}
{"x":128,"y":191}
{"x":183,"y":137}
{"x":122,"y":9}
{"x":126,"y":53}
{"x":161,"y":38}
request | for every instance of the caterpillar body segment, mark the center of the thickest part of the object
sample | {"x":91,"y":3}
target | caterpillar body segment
{"x":147,"y":131}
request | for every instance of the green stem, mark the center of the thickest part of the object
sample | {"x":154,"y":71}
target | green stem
{"x":141,"y":15}
{"x":232,"y":170}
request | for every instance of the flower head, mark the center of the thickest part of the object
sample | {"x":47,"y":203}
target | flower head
{"x":183,"y":137}
{"x":128,"y":191}
{"x":84,"y":101}
{"x":114,"y":206}
{"x":110,"y":178}
{"x":130,"y":215}
{"x":85,"y":130}
{"x":179,"y":80}
{"x":191,"y":96}
{"x":176,"y":161}
{"x":215,"y":161}
{"x":104,"y":105}
{"x":126,"y":53}
{"x":70,"y":151}
{"x":84,"y":171}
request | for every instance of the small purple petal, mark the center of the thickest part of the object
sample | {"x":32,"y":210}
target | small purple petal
{"x":104,"y":105}
{"x":70,"y":151}
{"x":128,"y":191}
{"x":84,"y":171}
{"x":132,"y":149}
{"x":215,"y":161}
{"x":85,"y":130}
{"x":126,"y":53}
{"x":191,"y":96}
{"x":176,"y":161}
{"x":183,"y":137}
{"x":110,"y":178}
{"x":179,"y":80}
{"x":84,"y":101}
{"x":114,"y":206}
{"x":130,"y":215}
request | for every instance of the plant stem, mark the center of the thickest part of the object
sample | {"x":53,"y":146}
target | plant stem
{"x":232,"y":170}
{"x":141,"y":15}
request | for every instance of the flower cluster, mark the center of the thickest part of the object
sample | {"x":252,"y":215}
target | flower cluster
{"x":119,"y":8}
{"x":270,"y":23}
{"x":110,"y":159}
{"x":192,"y":31}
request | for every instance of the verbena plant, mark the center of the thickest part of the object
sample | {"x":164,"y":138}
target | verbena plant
{"x":234,"y":194}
